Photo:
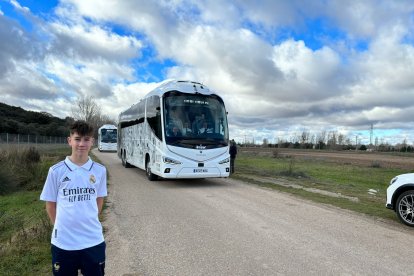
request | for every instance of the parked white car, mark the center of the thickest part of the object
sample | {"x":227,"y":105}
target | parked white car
{"x":400,"y":197}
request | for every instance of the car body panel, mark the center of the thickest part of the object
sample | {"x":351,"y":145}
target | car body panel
{"x":398,"y":185}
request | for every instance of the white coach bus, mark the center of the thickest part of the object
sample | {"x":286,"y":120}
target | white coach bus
{"x":178,"y":130}
{"x":107,"y":138}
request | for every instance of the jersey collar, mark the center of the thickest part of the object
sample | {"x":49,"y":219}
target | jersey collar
{"x":72,"y":166}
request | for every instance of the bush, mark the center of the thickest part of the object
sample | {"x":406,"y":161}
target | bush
{"x":7,"y":183}
{"x":31,"y":156}
{"x":376,"y":164}
{"x":291,"y":171}
{"x":19,"y":169}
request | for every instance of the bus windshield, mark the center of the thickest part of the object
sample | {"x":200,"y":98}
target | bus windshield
{"x":108,"y":135}
{"x":193,"y":120}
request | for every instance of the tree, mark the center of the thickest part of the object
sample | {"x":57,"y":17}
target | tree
{"x":341,"y":139}
{"x":304,"y":138}
{"x":321,"y":139}
{"x":85,"y":109}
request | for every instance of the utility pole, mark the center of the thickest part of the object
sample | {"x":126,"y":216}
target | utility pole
{"x":356,"y":142}
{"x":371,"y":133}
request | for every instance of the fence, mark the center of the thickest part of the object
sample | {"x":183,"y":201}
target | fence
{"x":21,"y":140}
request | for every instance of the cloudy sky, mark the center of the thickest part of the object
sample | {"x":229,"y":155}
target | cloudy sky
{"x":282,"y":67}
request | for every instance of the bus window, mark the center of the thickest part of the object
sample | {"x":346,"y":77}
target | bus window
{"x":154,"y":115}
{"x":195,"y":117}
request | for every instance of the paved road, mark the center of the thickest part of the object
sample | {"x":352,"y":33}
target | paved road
{"x":225,"y":227}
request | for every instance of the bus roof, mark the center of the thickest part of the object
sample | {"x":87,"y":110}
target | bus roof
{"x":184,"y":86}
{"x":107,"y":126}
{"x":180,"y":85}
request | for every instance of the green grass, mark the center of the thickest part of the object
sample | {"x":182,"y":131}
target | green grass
{"x":25,"y":235}
{"x":345,"y":179}
{"x":24,"y":226}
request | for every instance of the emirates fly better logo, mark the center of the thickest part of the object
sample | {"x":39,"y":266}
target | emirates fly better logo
{"x":78,"y":194}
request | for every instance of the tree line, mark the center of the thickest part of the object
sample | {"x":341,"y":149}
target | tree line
{"x":16,"y":120}
{"x":333,"y":140}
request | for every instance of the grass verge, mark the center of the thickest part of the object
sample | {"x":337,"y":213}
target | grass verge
{"x":24,"y":226}
{"x":348,"y":186}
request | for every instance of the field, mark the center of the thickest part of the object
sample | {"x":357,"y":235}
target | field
{"x":397,"y":160}
{"x":351,"y":180}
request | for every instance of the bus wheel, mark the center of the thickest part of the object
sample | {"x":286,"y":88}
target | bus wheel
{"x":124,"y":162}
{"x":150,"y":175}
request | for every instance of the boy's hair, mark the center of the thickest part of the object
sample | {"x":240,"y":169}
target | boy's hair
{"x":82,"y":128}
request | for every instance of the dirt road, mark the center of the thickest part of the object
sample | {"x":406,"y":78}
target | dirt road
{"x":225,"y":227}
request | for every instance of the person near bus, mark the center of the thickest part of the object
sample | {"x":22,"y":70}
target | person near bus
{"x":205,"y":129}
{"x":175,"y":132}
{"x":187,"y":129}
{"x":74,"y":192}
{"x":175,"y":118}
{"x":198,"y":122}
{"x":233,"y":153}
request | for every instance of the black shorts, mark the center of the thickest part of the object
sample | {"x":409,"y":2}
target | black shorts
{"x":91,"y":261}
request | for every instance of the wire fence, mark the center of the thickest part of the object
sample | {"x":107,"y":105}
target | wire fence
{"x":28,"y":140}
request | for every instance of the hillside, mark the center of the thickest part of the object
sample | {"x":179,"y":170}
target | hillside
{"x":16,"y":120}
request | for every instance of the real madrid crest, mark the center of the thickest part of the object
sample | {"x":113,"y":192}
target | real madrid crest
{"x":56,"y":267}
{"x":92,"y":179}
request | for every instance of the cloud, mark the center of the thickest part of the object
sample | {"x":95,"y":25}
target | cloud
{"x":279,"y":65}
{"x":370,"y":18}
{"x":16,"y":45}
{"x":63,"y":58}
{"x":92,"y":42}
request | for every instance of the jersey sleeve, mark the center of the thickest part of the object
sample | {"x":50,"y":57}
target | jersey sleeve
{"x":50,"y":189}
{"x":102,"y":189}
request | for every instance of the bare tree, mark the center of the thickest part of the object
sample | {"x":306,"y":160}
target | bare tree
{"x":321,"y":138}
{"x":88,"y":110}
{"x":105,"y":119}
{"x":332,"y":139}
{"x":85,"y":109}
{"x":312,"y":140}
{"x":341,"y":139}
{"x":265,"y":142}
{"x":304,"y":138}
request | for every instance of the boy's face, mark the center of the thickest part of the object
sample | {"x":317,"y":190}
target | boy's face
{"x":80,"y":144}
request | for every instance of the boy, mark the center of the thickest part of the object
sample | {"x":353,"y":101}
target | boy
{"x":74,"y":192}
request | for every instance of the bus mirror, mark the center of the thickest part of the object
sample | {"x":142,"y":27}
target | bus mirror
{"x":158,"y":108}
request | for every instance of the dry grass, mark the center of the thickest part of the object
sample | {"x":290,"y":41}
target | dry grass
{"x":323,"y":178}
{"x":24,"y":226}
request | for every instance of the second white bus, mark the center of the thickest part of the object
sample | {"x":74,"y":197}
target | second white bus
{"x":178,"y":130}
{"x":107,"y":138}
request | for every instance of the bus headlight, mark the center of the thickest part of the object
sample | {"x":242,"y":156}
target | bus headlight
{"x":227,"y":160}
{"x":169,"y":160}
